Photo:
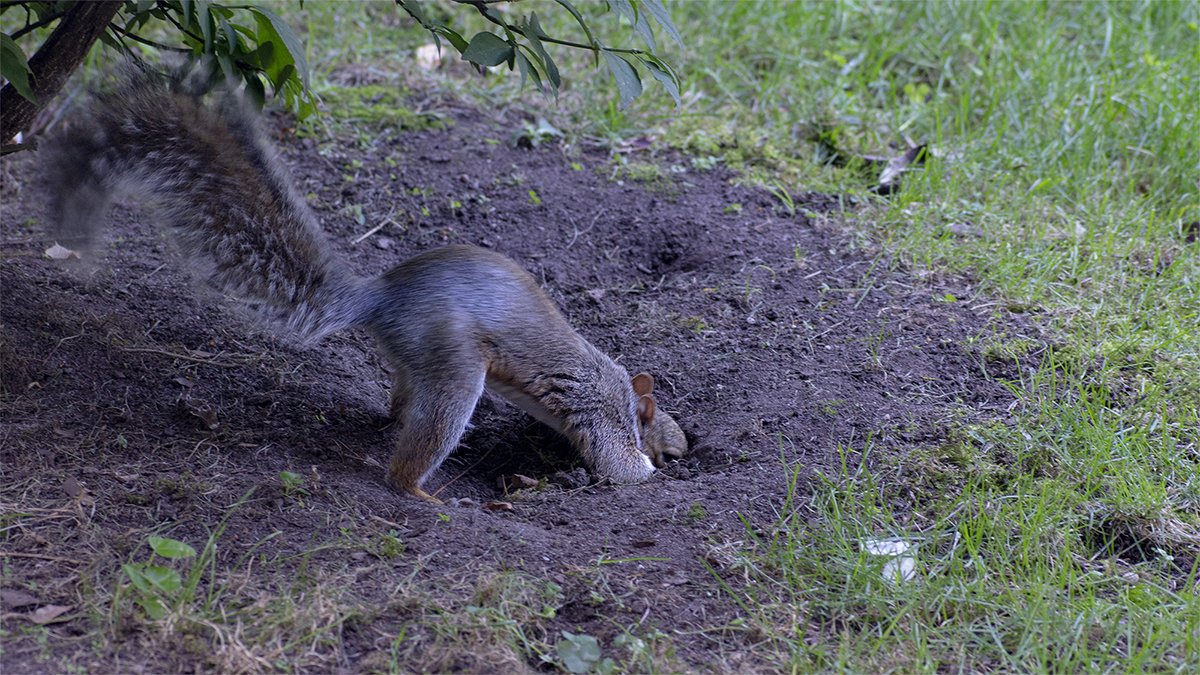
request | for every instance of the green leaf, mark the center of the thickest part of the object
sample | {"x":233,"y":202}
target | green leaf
{"x":624,"y":8}
{"x":417,"y":11}
{"x":163,"y":578}
{"x":660,"y":13}
{"x":266,"y":56}
{"x":579,"y":653}
{"x":134,"y":572}
{"x":227,"y":67}
{"x":255,"y":90}
{"x":533,"y":32}
{"x":299,"y":98}
{"x":661,"y":72}
{"x":459,"y":42}
{"x":283,"y":77}
{"x":171,"y":548}
{"x":230,"y":35}
{"x":109,"y":41}
{"x":204,"y":16}
{"x":152,"y":607}
{"x":288,"y":39}
{"x":44,"y":9}
{"x":628,"y":82}
{"x":487,"y":49}
{"x":14,"y":67}
{"x":552,"y":73}
{"x":528,"y":70}
{"x":643,"y":29}
{"x":638,"y":20}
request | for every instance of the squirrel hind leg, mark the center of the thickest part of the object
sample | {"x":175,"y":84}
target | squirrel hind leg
{"x":433,"y":414}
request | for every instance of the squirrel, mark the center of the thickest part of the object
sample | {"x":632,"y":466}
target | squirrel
{"x":449,"y":321}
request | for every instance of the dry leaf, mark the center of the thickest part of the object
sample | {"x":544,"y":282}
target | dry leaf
{"x":518,"y":482}
{"x":202,"y":409}
{"x":72,"y":487}
{"x":889,"y":179}
{"x":14,"y":598}
{"x":675,"y":579}
{"x":48,"y":613}
{"x":429,"y":56}
{"x":60,"y":253}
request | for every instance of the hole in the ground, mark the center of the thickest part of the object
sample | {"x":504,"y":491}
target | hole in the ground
{"x":1117,"y":537}
{"x":1135,"y":541}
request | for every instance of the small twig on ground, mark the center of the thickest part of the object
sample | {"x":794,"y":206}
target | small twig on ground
{"x":463,"y":472}
{"x":373,"y":230}
{"x":177,"y":355}
{"x":39,"y":556}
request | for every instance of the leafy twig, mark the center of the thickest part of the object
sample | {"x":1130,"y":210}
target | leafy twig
{"x":37,"y":24}
{"x":137,"y":38}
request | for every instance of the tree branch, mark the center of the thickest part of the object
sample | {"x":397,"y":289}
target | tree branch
{"x":36,"y":25}
{"x":171,"y":17}
{"x":152,"y":43}
{"x":54,"y":62}
{"x":481,"y":7}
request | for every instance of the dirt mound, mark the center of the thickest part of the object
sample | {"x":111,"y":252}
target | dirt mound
{"x":137,"y":402}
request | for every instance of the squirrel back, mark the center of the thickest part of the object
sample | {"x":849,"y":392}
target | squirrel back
{"x":219,"y":186}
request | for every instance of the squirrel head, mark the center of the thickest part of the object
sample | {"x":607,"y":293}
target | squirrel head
{"x":609,"y":434}
{"x":628,"y":453}
{"x":661,"y":436}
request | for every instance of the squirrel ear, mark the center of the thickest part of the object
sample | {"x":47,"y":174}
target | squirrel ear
{"x":643,"y":384}
{"x":645,"y":409}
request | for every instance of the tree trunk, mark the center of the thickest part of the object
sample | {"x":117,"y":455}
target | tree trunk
{"x":58,"y":57}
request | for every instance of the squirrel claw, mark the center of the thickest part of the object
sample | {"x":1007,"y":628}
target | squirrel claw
{"x":421,"y":494}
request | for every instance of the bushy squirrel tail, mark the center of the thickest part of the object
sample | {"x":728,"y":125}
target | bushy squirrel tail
{"x":221,"y":188}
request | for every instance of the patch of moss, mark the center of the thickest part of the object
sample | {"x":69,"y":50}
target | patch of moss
{"x":1002,"y":349}
{"x":388,"y":546}
{"x":760,"y":155}
{"x":650,"y":175}
{"x":831,"y":406}
{"x":963,"y":458}
{"x":379,"y":106}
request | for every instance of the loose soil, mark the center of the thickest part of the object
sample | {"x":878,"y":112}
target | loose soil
{"x":136,"y":402}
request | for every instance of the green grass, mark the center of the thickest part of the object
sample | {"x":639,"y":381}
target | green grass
{"x":1066,"y":148}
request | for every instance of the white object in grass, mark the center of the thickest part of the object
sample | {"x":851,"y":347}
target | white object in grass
{"x":899,"y":566}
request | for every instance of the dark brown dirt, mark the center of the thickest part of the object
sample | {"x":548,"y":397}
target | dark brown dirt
{"x":773,"y":338}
